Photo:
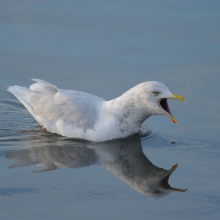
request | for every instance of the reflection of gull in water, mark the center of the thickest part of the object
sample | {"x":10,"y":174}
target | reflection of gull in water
{"x":125,"y":159}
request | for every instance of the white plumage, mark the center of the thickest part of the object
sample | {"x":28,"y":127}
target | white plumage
{"x":81,"y":115}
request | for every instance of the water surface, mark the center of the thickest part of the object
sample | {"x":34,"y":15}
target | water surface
{"x":105,"y":48}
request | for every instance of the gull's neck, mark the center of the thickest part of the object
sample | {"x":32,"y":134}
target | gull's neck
{"x":129,"y":111}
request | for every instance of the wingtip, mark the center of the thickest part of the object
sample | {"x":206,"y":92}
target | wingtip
{"x":8,"y":88}
{"x":35,"y":79}
{"x":44,"y":82}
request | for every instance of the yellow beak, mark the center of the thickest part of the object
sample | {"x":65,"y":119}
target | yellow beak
{"x":177,"y":97}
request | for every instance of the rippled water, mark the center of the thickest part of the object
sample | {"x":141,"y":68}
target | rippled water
{"x":105,"y":48}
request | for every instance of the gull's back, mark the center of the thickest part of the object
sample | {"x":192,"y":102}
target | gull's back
{"x":57,"y":109}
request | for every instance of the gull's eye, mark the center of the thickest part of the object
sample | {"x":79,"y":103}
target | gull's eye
{"x":155,"y":93}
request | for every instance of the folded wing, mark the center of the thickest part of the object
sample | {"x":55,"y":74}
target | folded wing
{"x":59,"y":110}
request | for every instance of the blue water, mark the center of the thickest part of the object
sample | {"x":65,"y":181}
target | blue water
{"x":105,"y":48}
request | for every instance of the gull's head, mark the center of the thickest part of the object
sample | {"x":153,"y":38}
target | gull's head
{"x":155,"y":96}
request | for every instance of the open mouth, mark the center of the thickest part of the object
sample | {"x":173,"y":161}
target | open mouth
{"x":164,"y":182}
{"x":162,"y":103}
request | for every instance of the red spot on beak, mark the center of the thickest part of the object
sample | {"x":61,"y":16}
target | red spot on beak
{"x":173,"y":121}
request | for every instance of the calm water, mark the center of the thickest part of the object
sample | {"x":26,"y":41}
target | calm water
{"x":105,"y":48}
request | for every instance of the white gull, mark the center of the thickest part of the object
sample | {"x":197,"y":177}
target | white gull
{"x":81,"y":115}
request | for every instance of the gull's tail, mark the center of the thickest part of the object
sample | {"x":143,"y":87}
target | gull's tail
{"x":25,"y":96}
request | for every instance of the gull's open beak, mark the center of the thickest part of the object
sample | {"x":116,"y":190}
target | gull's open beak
{"x":163,"y":104}
{"x":177,"y":97}
{"x":164,"y":182}
{"x":171,"y":171}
